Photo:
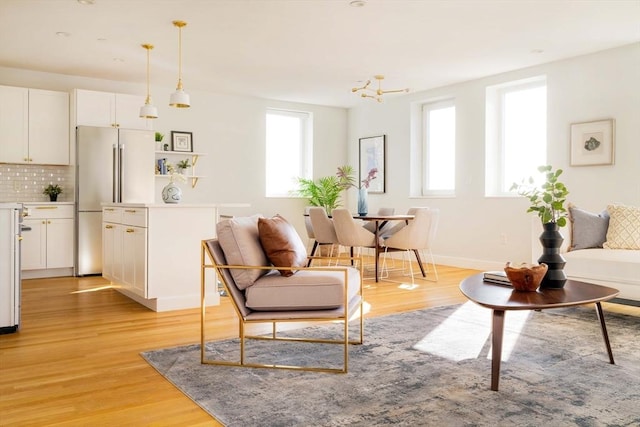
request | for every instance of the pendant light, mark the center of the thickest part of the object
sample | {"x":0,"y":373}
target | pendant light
{"x":148,"y":111}
{"x":179,"y":98}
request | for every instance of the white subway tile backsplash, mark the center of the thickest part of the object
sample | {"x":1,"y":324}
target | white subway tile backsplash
{"x":24,"y":183}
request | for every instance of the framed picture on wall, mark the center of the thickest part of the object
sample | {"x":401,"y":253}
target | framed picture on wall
{"x":181,"y":141}
{"x":592,"y":143}
{"x":372,"y":162}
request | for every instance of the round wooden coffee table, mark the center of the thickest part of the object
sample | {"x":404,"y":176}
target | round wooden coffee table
{"x":500,"y":298}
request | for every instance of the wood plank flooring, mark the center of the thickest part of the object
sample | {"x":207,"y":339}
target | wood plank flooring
{"x":76,"y":360}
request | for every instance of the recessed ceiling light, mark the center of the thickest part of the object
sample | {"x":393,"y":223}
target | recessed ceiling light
{"x":537,"y":51}
{"x":118,"y":60}
{"x":62,"y":34}
{"x":86,"y":2}
{"x":357,"y":3}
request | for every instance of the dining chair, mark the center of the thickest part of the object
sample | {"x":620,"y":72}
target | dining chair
{"x":371,"y":226}
{"x":309,"y":228}
{"x":397,"y":225}
{"x":417,"y":236}
{"x":323,"y":230}
{"x":350,"y":234}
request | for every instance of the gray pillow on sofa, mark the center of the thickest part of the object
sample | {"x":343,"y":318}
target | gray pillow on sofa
{"x":588,"y":230}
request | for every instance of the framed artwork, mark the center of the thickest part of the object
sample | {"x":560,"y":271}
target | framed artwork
{"x":181,"y":141}
{"x":592,"y":143}
{"x":372,"y":161}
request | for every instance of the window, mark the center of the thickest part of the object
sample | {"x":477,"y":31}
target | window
{"x":439,"y":148}
{"x":516,"y":133}
{"x":288,"y":150}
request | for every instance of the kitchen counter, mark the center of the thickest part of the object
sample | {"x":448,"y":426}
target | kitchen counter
{"x":177,"y":205}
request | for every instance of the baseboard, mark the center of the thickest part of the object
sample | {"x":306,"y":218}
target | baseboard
{"x":625,"y":301}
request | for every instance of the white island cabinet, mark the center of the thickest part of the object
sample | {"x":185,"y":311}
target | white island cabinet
{"x":151,"y":252}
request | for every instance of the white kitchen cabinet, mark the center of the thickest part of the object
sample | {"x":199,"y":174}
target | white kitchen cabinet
{"x":106,"y":109}
{"x":151,"y":252}
{"x":34,"y":126}
{"x":49,"y":245}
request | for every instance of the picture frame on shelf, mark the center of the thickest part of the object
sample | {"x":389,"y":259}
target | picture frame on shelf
{"x":372,"y":155}
{"x":181,"y":141}
{"x":592,"y":143}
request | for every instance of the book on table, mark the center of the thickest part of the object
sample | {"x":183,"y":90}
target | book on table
{"x":499,"y":277}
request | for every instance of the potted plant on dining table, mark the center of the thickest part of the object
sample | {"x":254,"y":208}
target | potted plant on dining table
{"x":345,"y":174}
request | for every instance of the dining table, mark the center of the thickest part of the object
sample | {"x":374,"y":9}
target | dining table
{"x":381,"y":221}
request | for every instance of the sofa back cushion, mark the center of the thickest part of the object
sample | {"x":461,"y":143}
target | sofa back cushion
{"x":282,"y":244}
{"x":240,"y":242}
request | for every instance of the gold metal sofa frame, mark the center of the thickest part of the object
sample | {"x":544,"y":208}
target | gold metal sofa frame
{"x":212,"y":257}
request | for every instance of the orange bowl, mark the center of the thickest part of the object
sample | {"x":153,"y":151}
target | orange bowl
{"x":525,"y":277}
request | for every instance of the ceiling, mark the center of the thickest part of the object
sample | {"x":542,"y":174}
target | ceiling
{"x":310,"y":51}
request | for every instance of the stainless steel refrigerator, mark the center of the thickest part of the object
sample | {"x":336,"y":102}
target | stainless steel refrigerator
{"x":113,"y":165}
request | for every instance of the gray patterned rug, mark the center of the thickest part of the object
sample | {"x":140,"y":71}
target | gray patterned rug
{"x":430,"y":367}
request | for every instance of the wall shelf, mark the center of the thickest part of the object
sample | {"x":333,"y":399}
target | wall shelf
{"x":194,"y":160}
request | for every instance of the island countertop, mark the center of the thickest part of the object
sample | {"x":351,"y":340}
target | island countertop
{"x":177,"y":205}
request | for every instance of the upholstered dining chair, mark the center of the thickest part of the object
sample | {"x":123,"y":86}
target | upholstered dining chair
{"x":323,"y":230}
{"x":352,"y":235}
{"x":371,"y":225}
{"x":309,"y":228}
{"x":417,"y":236}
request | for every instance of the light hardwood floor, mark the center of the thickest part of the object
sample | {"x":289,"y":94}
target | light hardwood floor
{"x":76,"y":360}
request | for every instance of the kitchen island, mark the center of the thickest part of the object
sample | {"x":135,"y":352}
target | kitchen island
{"x":151,"y":252}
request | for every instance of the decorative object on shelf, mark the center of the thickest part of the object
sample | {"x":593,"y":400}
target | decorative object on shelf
{"x":181,"y":141}
{"x":179,"y":98}
{"x":183,"y":165}
{"x":372,"y":157}
{"x":159,"y":137}
{"x":592,"y":143}
{"x":171,"y":193}
{"x":548,"y":201}
{"x":52,"y":190}
{"x":367,"y":92}
{"x":148,"y":111}
{"x":526,"y":277}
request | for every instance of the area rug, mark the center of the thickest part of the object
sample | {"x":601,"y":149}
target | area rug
{"x":428,"y":367}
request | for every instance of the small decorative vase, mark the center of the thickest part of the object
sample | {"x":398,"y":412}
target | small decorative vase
{"x":363,"y":203}
{"x":53,"y":197}
{"x":171,"y":193}
{"x":551,"y":240}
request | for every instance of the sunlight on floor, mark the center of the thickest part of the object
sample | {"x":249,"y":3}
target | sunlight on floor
{"x":466,"y":334}
{"x":101,"y":288}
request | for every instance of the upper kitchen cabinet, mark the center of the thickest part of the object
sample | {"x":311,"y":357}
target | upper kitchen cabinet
{"x":34,"y":126}
{"x":106,"y":109}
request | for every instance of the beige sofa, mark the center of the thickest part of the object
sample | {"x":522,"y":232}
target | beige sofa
{"x":603,"y":248}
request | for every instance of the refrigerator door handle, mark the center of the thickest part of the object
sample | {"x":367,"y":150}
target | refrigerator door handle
{"x":116,"y":183}
{"x":121,"y":160}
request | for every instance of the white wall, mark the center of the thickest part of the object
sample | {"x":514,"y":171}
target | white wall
{"x":598,"y":86}
{"x":231,"y":130}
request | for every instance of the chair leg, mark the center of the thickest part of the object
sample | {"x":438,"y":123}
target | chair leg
{"x":313,"y":251}
{"x":415,"y":251}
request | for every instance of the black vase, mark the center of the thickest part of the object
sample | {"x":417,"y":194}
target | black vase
{"x":551,"y":240}
{"x":53,"y":197}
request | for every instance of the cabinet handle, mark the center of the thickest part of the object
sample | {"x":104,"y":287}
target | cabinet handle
{"x":130,"y":230}
{"x":108,"y":227}
{"x":130,"y":210}
{"x":44,"y":222}
{"x":109,"y":209}
{"x":48,"y":222}
{"x":26,"y":159}
{"x":46,"y":207}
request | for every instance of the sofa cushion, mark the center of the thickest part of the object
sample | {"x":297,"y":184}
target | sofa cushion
{"x":282,"y":244}
{"x":240,"y":242}
{"x":306,"y":290}
{"x":624,"y":227}
{"x":608,"y":265}
{"x":588,"y":230}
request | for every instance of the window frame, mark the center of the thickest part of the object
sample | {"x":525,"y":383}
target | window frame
{"x":305,"y":166}
{"x":425,"y":109}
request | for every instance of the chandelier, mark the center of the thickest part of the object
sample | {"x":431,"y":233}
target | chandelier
{"x":367,"y":92}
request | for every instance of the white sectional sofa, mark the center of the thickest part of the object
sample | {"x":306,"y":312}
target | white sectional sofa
{"x":603,"y":248}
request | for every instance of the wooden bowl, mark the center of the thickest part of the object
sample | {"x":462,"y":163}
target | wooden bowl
{"x":526,"y":277}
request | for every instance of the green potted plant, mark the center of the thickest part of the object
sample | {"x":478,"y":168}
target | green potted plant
{"x":182,"y":165}
{"x":325,"y":192}
{"x":548,"y":201}
{"x":52,"y":191}
{"x":159,"y":136}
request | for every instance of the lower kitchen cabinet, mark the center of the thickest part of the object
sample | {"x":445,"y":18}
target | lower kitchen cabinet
{"x":151,"y":252}
{"x":47,"y":248}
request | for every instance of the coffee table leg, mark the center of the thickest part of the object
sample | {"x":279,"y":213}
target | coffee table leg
{"x":496,"y":345}
{"x":605,"y":335}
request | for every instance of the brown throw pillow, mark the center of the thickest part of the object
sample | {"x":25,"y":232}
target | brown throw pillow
{"x":281,"y":244}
